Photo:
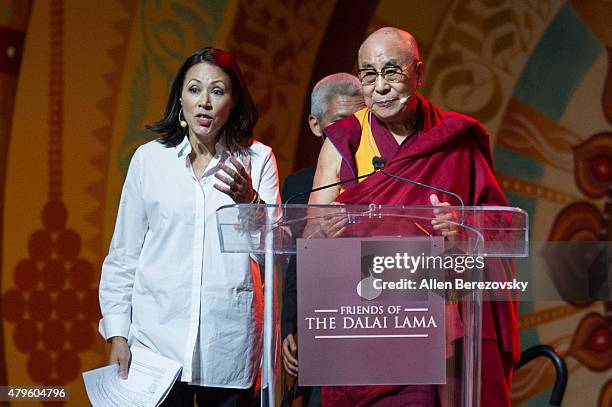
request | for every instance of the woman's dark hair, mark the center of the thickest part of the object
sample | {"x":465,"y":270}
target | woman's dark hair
{"x":238,"y":130}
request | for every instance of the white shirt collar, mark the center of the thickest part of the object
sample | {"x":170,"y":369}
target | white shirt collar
{"x":183,"y":148}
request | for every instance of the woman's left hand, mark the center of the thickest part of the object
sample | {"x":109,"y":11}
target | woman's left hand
{"x":238,"y":184}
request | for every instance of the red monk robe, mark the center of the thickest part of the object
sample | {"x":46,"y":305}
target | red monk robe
{"x":450,"y":151}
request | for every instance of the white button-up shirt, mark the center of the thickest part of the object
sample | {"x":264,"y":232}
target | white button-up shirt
{"x":166,"y":285}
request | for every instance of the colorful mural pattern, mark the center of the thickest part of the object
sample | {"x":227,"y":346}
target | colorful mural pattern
{"x":496,"y":60}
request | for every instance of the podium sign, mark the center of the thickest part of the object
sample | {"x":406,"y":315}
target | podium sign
{"x":359,"y":324}
{"x":337,"y":344}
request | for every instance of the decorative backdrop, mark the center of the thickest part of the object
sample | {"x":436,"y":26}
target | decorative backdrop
{"x":79,"y":79}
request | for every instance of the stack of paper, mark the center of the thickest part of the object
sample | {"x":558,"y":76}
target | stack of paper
{"x":150,"y":378}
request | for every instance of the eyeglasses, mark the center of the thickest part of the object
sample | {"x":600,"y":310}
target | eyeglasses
{"x":391,"y":74}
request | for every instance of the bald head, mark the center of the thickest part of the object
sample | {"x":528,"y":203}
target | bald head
{"x":390,"y":71}
{"x":402,"y":40}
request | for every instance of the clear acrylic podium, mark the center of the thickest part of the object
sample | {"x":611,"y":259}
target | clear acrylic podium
{"x":268,"y":232}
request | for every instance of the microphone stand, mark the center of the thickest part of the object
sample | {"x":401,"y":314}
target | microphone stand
{"x":335,"y":184}
{"x":378,"y":163}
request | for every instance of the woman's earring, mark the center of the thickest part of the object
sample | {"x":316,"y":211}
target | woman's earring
{"x":182,"y":121}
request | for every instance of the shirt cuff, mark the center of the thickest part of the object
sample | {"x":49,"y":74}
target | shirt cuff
{"x":288,"y":327}
{"x":114,"y":325}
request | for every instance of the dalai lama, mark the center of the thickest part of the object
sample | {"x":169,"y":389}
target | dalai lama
{"x":420,"y":142}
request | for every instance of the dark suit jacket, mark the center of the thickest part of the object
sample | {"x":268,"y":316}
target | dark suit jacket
{"x":300,"y":181}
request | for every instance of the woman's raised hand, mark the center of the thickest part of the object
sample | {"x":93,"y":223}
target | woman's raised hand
{"x":237,"y":183}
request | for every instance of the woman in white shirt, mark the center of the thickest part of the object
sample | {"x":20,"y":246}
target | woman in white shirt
{"x":165,"y":284}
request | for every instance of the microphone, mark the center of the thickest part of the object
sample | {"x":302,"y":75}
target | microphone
{"x":404,"y":99}
{"x":335,"y":184}
{"x":378,"y":163}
